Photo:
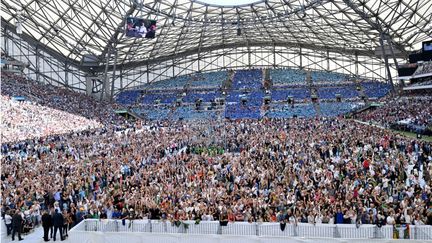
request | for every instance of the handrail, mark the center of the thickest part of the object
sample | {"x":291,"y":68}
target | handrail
{"x":344,"y":231}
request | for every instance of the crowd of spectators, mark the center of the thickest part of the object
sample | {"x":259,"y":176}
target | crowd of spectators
{"x":412,"y":110}
{"x":298,"y":170}
{"x":58,"y":98}
{"x":319,"y":170}
{"x":24,"y":119}
{"x":426,"y":67}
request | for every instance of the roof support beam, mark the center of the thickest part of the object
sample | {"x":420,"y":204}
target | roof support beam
{"x":115,"y":37}
{"x":189,"y":52}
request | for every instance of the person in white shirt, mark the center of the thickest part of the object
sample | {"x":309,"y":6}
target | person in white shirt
{"x":8,"y":222}
{"x":390,"y":219}
{"x":142,"y":31}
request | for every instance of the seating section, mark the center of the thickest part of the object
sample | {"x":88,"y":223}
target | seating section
{"x":208,"y":80}
{"x":413,"y":111}
{"x":248,"y":84}
{"x":282,"y":77}
{"x":254,"y":98}
{"x":337,"y":108}
{"x":206,"y":96}
{"x":247,"y":79}
{"x":22,"y":120}
{"x":346,"y":91}
{"x":376,"y":90}
{"x":57,"y":98}
{"x":165,"y":98}
{"x":289,"y":111}
{"x":425,"y":68}
{"x":128,"y":97}
{"x":328,"y":77}
{"x":237,"y":111}
{"x":297,"y":93}
{"x":153,"y":113}
{"x":190,"y":113}
{"x":169,"y":84}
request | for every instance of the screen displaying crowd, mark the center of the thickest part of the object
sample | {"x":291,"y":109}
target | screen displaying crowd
{"x":140,"y":28}
{"x":319,"y":170}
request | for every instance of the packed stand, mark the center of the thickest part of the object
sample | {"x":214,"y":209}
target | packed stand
{"x":413,"y":111}
{"x":58,"y":98}
{"x":425,"y":68}
{"x":21,"y":120}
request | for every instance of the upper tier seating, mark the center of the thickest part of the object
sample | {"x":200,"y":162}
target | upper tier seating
{"x":169,"y":84}
{"x":297,"y":93}
{"x":346,"y":91}
{"x":281,"y":77}
{"x":128,"y":97}
{"x":375,"y":89}
{"x":328,"y":77}
{"x":247,"y":79}
{"x":23,"y":120}
{"x":206,"y":96}
{"x":208,"y":80}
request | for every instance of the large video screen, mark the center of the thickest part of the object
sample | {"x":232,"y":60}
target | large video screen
{"x":427,"y":46}
{"x":140,"y":28}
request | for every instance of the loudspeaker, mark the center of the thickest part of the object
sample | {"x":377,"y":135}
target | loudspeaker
{"x":243,"y":100}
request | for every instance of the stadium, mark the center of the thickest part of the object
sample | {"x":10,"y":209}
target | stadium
{"x":216,"y":121}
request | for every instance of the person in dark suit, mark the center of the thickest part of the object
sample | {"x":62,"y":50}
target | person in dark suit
{"x":46,"y":224}
{"x":58,"y":222}
{"x":17,"y":223}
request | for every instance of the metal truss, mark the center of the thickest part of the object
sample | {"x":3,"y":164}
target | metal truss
{"x":335,"y":35}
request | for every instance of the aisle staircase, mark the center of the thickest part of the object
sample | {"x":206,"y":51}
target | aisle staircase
{"x":313,"y":92}
{"x":362,"y":93}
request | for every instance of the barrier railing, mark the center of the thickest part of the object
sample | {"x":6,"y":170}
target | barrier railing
{"x":344,"y":231}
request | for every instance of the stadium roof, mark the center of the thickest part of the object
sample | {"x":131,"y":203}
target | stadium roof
{"x":68,"y":29}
